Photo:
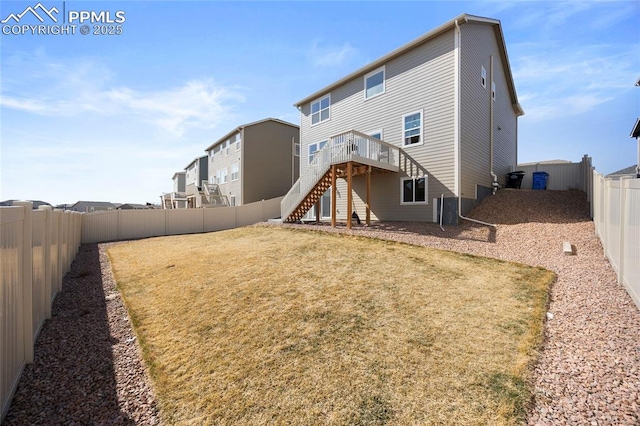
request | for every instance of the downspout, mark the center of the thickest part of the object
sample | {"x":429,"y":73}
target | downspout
{"x":456,"y":39}
{"x":494,"y":183}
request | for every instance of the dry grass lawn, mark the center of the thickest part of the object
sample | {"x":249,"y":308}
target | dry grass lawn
{"x":266,"y":325}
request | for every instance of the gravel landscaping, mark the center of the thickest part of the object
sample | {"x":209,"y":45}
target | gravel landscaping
{"x":87,"y":367}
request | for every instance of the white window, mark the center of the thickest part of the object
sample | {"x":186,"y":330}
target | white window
{"x":412,"y":128}
{"x":221,"y":176}
{"x":320,"y":110}
{"x":232,"y":200}
{"x":374,"y":83}
{"x":413,"y":190}
{"x":493,"y":90}
{"x":238,"y":145}
{"x":315,"y":147}
{"x":483,"y":77}
{"x":296,"y":152}
{"x":234,"y":172}
{"x":376,"y":134}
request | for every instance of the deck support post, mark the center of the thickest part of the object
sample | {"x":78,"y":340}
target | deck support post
{"x":368,"y":195}
{"x":334,"y":171}
{"x":349,"y":195}
{"x":317,"y":205}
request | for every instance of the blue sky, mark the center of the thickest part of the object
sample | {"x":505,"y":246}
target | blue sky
{"x":112,"y":117}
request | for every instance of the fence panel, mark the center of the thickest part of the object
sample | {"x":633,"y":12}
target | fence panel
{"x":631,"y":240}
{"x":562,"y":176}
{"x":220,"y":218}
{"x":99,"y":227}
{"x":36,"y":249}
{"x":134,"y":224}
{"x":616,"y":207}
{"x":185,"y":221}
{"x":12,"y":355}
{"x":38,"y":270}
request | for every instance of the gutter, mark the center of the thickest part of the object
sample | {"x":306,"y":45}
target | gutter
{"x":457,"y":38}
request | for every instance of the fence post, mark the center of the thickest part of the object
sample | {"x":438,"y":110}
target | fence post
{"x":26,"y":267}
{"x":623,"y":202}
{"x":47,"y":260}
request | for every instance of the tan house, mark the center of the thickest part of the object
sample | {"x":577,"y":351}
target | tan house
{"x":255,"y":161}
{"x":435,"y":119}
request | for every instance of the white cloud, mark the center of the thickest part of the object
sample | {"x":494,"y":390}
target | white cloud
{"x":331,"y":56}
{"x":57,"y":89}
{"x":565,"y":80}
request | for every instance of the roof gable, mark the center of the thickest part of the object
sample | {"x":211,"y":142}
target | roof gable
{"x":242,"y":126}
{"x":447,"y":26}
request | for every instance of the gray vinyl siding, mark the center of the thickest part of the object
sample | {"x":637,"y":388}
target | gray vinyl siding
{"x":421,"y":79}
{"x":179,"y":182}
{"x":222,"y":161}
{"x":478,"y":43}
{"x":269,"y":166}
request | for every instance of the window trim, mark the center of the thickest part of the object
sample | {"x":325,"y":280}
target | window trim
{"x":404,"y":145}
{"x":384,"y":82}
{"x":311,"y":113}
{"x":483,"y":77}
{"x":237,"y":172}
{"x":493,"y":90}
{"x":426,"y":191}
{"x":381,"y":131}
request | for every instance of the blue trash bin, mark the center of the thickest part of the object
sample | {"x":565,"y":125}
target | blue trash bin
{"x":540,"y":180}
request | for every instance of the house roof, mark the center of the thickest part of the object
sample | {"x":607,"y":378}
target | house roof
{"x":447,"y":26}
{"x":631,"y":170}
{"x":133,"y":206}
{"x":635,"y":132}
{"x":545,"y":162}
{"x":36,"y":203}
{"x":638,"y":82}
{"x":94,"y":204}
{"x":194,"y":160}
{"x":242,"y":126}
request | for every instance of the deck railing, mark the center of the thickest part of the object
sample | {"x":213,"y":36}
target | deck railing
{"x":344,"y":147}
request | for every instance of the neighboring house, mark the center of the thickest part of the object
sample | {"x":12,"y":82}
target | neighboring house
{"x":131,"y":206}
{"x":255,"y":161}
{"x":92,"y":206}
{"x":36,"y":203}
{"x":195,"y":172}
{"x":177,"y":199}
{"x":627,"y":171}
{"x":179,"y":182}
{"x":635,"y":133}
{"x":446,"y":109}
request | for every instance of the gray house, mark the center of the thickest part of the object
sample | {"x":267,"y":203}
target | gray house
{"x":435,"y":119}
{"x":195,"y":172}
{"x":255,"y":161}
{"x":179,"y":182}
{"x":92,"y":206}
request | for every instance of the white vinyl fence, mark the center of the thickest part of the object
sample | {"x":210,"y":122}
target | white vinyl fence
{"x":562,"y":176}
{"x":616,"y":215}
{"x":134,"y":224}
{"x":37,"y":248}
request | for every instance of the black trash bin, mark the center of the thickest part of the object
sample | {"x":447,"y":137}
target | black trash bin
{"x":514,"y":180}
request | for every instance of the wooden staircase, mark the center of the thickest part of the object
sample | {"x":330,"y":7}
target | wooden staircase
{"x":352,"y":148}
{"x":312,"y":198}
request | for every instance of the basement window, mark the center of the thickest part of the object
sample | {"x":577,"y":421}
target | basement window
{"x":413,"y":190}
